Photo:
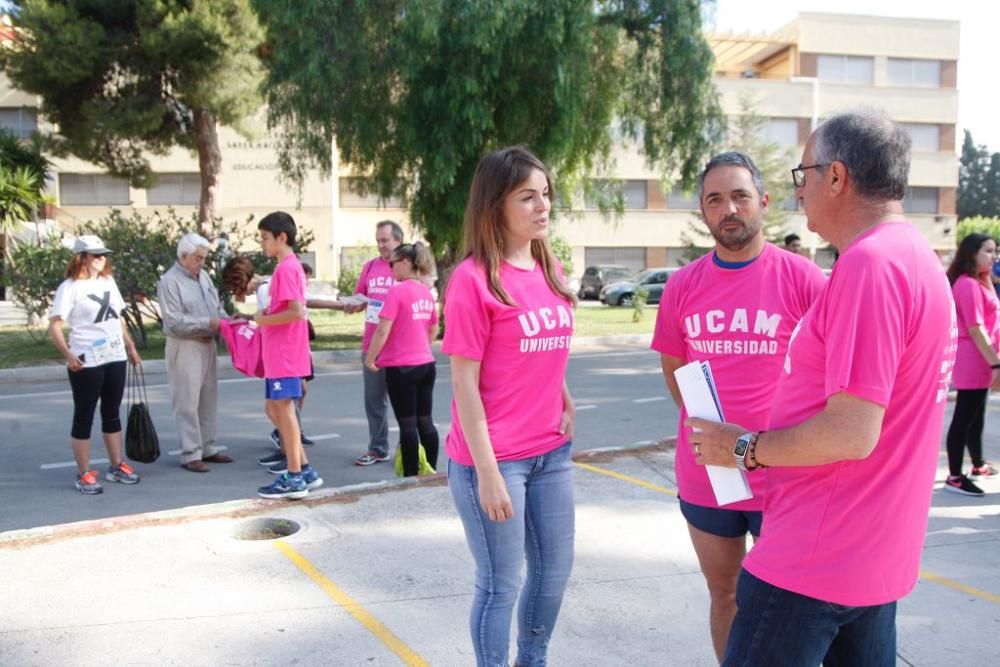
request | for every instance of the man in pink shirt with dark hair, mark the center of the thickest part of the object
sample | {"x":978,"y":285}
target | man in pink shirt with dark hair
{"x":736,"y":308}
{"x":855,"y":424}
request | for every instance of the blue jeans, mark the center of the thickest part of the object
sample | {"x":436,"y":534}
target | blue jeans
{"x":543,"y":529}
{"x":776,"y":628}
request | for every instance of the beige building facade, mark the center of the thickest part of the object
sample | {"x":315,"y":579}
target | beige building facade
{"x":816,"y":65}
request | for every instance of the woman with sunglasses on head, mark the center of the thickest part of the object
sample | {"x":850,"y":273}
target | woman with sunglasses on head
{"x":508,"y":326}
{"x":401,"y":345}
{"x":89,"y":303}
{"x":977,"y":365}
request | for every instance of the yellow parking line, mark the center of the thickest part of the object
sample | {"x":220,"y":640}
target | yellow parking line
{"x":951,"y":583}
{"x":924,"y":574}
{"x":627,"y":478}
{"x":372,"y":624}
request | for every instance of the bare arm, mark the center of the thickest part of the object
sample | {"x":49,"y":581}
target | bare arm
{"x":846,"y":429}
{"x":56,"y":334}
{"x":377,"y":342}
{"x":985,"y":347}
{"x":567,"y":424}
{"x":329,"y":304}
{"x":493,"y":494}
{"x":669,"y":365}
{"x":295,"y":311}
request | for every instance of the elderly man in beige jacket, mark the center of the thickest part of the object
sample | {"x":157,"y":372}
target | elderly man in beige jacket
{"x":189,"y":304}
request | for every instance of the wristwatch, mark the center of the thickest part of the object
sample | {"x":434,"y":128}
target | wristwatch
{"x":745,"y":445}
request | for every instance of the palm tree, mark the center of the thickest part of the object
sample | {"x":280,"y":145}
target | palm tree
{"x":19,"y":199}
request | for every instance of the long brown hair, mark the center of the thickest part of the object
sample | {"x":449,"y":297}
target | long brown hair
{"x":237,"y":274}
{"x":497,"y":175}
{"x":77,"y":267}
{"x":964,"y":263}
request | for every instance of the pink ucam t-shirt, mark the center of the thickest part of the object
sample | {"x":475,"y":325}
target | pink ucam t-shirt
{"x":286,"y":346}
{"x":374,"y":282}
{"x":243,"y":340}
{"x":976,"y":304}
{"x":523,"y":351}
{"x":739,"y":320}
{"x":411,"y":309}
{"x":883,"y":330}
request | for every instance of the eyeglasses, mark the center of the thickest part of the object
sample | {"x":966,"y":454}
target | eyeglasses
{"x":799,"y":173}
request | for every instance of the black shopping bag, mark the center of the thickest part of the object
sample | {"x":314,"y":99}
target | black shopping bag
{"x":141,"y":442}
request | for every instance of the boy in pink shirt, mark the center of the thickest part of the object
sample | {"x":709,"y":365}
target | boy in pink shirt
{"x":285,"y":349}
{"x":856,"y":419}
{"x":401,"y":346}
{"x":736,"y":308}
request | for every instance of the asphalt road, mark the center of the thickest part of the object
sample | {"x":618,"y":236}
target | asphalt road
{"x":620,"y":396}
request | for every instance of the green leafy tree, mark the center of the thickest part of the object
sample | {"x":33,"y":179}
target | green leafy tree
{"x":36,"y":271}
{"x":747,"y":133}
{"x":22,"y":176}
{"x":978,"y":181}
{"x":564,"y":253}
{"x":124,"y":80}
{"x":417,"y":92}
{"x":977,"y":224}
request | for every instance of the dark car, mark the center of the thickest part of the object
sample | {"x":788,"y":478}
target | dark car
{"x":620,"y":293}
{"x":596,"y":277}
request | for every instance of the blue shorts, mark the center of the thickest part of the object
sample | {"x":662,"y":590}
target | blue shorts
{"x":721,"y":522}
{"x":276,"y":389}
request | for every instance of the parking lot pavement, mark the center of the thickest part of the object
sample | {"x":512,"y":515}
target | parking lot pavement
{"x":384,"y":578}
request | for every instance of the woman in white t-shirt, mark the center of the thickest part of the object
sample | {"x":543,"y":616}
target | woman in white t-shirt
{"x":89,"y":303}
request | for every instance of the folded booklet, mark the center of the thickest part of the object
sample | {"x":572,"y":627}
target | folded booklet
{"x":701,"y":400}
{"x":354,"y":299}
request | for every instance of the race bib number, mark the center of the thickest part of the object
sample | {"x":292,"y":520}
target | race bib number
{"x":108,"y":349}
{"x":371,"y":313}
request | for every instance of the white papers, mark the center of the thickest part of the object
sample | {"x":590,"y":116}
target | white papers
{"x":353,"y":300}
{"x":701,"y":400}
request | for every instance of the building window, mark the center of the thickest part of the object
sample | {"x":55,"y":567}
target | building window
{"x":92,"y":190}
{"x":921,"y":200}
{"x":21,"y":121}
{"x":175,"y":190}
{"x":634,"y":259}
{"x":679,"y":200}
{"x":352,"y":187}
{"x":846,"y":69}
{"x":782,"y":131}
{"x":633,"y":193}
{"x":925,"y":136}
{"x":913,"y":72}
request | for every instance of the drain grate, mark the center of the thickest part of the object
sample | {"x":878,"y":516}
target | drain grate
{"x":266,"y":529}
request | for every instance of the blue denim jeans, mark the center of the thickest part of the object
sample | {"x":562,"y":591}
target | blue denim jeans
{"x":777,"y":628}
{"x":543,"y":530}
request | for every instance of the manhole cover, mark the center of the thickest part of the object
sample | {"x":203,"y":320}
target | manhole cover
{"x":266,"y":529}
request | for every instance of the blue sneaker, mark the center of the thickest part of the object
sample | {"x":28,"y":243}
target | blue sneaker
{"x":271,"y":459}
{"x":275,"y":439}
{"x":312,"y":478}
{"x":307,"y":442}
{"x":285,"y":486}
{"x":278,"y":468}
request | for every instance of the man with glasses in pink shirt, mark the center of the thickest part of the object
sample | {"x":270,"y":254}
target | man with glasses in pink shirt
{"x":855,"y":424}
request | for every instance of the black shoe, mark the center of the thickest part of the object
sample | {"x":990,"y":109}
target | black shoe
{"x":962,"y":485}
{"x":307,"y":442}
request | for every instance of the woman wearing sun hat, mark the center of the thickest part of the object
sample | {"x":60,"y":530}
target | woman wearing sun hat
{"x":89,"y":303}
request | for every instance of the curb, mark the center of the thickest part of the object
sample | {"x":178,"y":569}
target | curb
{"x":232,"y":509}
{"x":56,"y":372}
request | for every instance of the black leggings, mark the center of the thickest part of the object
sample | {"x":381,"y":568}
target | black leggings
{"x":967,"y":429}
{"x":105,"y":383}
{"x":411,"y":392}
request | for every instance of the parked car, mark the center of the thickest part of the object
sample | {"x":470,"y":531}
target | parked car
{"x":620,"y":293}
{"x":596,"y":277}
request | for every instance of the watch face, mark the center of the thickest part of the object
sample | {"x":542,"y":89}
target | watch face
{"x":741,"y":445}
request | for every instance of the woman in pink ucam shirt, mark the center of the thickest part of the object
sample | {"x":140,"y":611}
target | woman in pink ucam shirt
{"x":508,"y":325}
{"x":401,"y":345}
{"x":977,"y":366}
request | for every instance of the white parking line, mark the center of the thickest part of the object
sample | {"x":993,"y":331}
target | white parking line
{"x":588,"y":406}
{"x":649,"y":400}
{"x":70,"y":464}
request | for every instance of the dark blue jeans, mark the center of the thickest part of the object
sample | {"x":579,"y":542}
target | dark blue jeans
{"x":778,"y":628}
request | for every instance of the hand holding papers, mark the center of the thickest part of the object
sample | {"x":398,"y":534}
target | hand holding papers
{"x":701,"y":400}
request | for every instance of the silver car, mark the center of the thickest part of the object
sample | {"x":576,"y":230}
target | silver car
{"x":621,"y":293}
